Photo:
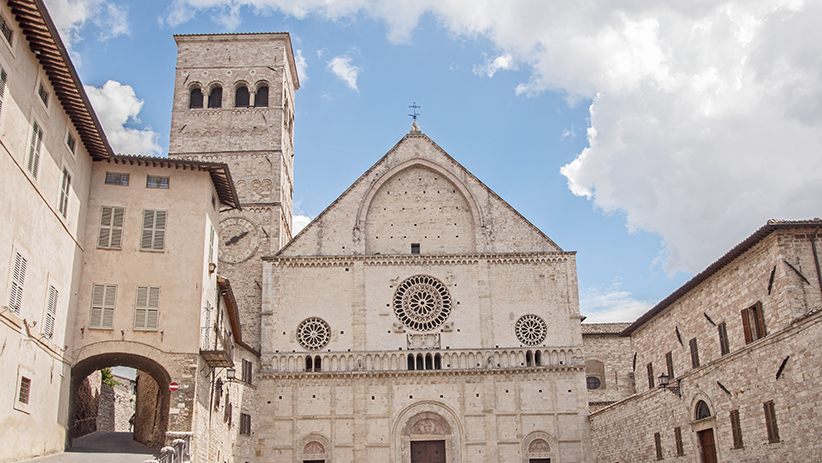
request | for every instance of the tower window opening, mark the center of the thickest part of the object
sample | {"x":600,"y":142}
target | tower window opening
{"x":241,"y":97}
{"x":215,"y":98}
{"x":261,"y":97}
{"x":415,"y":248}
{"x":195,"y":100}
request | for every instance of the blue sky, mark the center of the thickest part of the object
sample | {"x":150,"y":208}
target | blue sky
{"x":648,"y":138}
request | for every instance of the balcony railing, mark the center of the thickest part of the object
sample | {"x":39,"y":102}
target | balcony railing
{"x":440,"y":359}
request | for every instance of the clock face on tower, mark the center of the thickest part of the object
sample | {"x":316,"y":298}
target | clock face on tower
{"x":238,"y":240}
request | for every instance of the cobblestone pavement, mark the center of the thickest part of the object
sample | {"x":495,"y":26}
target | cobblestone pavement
{"x":101,"y":447}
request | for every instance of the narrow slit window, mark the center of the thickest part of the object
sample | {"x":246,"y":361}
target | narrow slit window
{"x":650,"y":375}
{"x":694,"y":353}
{"x":724,"y":346}
{"x":770,"y":422}
{"x":65,"y":188}
{"x":34,"y":149}
{"x":658,"y":445}
{"x":43,"y":93}
{"x":51,"y":313}
{"x":736,"y":429}
{"x":680,"y":449}
{"x":18,"y":277}
{"x":669,"y":361}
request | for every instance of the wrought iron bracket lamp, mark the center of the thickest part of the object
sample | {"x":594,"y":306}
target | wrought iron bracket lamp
{"x":664,"y":382}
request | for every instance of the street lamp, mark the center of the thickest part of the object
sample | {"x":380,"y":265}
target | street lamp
{"x":664,"y":382}
{"x":230,"y":373}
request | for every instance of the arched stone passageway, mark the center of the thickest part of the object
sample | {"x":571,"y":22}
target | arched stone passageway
{"x":153,"y":395}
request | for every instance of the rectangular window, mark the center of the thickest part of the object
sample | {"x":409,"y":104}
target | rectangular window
{"x":669,"y":361}
{"x":114,"y":178}
{"x":65,"y":188}
{"x":245,"y":424}
{"x":147,"y":310}
{"x":658,"y":444}
{"x":51,"y":313}
{"x":724,"y":347}
{"x":103,"y":298}
{"x":44,"y":94}
{"x":111,"y":227}
{"x":736,"y":429}
{"x":34,"y":149}
{"x":18,"y":277}
{"x":154,"y":230}
{"x":753,"y":323}
{"x":5,"y":29}
{"x":770,"y":422}
{"x":415,"y":248}
{"x":156,"y":182}
{"x":3,"y":78}
{"x":70,"y":142}
{"x":247,"y":371}
{"x":211,"y":246}
{"x":25,"y":390}
{"x":694,"y":353}
{"x":650,"y":376}
{"x":680,"y":449}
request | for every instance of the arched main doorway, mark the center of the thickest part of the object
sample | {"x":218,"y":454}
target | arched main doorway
{"x":427,"y":432}
{"x":153,"y":395}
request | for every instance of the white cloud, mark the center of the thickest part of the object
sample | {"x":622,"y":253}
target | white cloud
{"x":341,"y":67}
{"x":606,"y":305}
{"x":116,"y":106}
{"x":298,"y":223}
{"x":302,"y":66}
{"x":491,"y":66}
{"x":568,"y":133}
{"x":705,"y":114}
{"x":72,"y":16}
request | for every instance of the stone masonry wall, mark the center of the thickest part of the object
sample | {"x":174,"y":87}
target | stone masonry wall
{"x":617,"y":355}
{"x":624,"y":432}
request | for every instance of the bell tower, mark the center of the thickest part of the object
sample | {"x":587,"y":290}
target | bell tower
{"x":234,"y":103}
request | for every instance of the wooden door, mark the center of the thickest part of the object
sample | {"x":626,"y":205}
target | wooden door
{"x":430,"y":451}
{"x":707,"y":446}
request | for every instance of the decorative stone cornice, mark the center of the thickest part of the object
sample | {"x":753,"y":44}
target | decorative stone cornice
{"x":416,"y":259}
{"x":414,"y":376}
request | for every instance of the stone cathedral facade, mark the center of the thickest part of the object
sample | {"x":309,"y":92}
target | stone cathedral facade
{"x":419,"y":318}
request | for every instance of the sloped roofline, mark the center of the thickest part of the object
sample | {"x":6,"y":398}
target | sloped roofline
{"x":44,"y":41}
{"x":233,"y":311}
{"x":759,"y":235}
{"x":374,"y":166}
{"x":219,"y":172}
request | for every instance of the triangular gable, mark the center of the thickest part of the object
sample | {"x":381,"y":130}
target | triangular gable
{"x":436,"y":204}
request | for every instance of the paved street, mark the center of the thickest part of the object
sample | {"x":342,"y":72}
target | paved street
{"x":101,"y":447}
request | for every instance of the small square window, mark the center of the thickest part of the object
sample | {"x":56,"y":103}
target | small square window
{"x":157,"y":182}
{"x":415,"y":248}
{"x":44,"y":94}
{"x":23,"y":395}
{"x":25,"y":390}
{"x":114,"y":178}
{"x":70,"y":142}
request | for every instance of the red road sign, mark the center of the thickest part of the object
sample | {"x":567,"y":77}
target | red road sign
{"x":173,"y":386}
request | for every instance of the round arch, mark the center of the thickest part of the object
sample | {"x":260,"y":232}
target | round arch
{"x":313,"y":447}
{"x":375,"y":187}
{"x":150,"y":430}
{"x":427,"y":421}
{"x":538,"y":445}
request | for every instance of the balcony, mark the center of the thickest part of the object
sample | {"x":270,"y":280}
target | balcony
{"x":216,"y":353}
{"x":416,"y":360}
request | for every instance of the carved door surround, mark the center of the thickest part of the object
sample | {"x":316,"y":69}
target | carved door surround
{"x":313,"y":448}
{"x":427,"y":423}
{"x":539,"y":447}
